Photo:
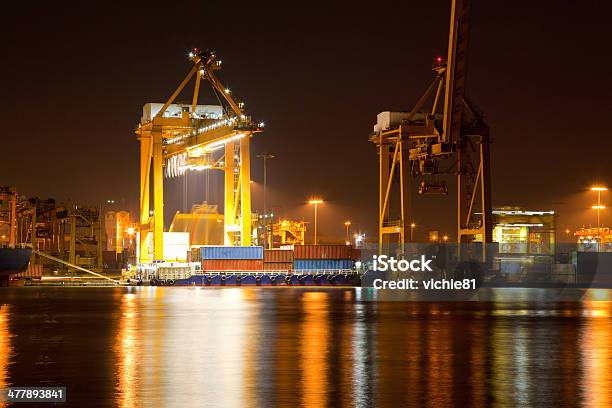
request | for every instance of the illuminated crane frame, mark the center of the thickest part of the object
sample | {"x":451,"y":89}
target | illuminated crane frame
{"x":163,"y":137}
{"x":406,"y":149}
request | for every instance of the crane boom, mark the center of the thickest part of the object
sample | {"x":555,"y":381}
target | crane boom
{"x":455,"y":70}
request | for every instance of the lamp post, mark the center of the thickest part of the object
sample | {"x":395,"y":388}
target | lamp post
{"x":599,"y":207}
{"x":315,"y":202}
{"x":347,"y":224}
{"x":265,"y":157}
{"x":412,"y":226}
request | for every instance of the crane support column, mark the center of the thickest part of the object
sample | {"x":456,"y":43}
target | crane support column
{"x":399,"y":160}
{"x":13,"y":220}
{"x":146,"y":148}
{"x":405,"y":194}
{"x":485,"y":179}
{"x":145,"y":170}
{"x":229,"y":194}
{"x":245,"y":191}
{"x":383,"y":180}
{"x":158,"y":198}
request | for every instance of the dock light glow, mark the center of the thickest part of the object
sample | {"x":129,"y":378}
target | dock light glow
{"x":315,"y":202}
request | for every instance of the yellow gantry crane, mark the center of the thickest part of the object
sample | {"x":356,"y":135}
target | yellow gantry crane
{"x":429,"y":141}
{"x":182,"y":138}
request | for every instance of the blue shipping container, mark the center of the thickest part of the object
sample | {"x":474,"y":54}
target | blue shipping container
{"x":228,"y":252}
{"x":305,"y":264}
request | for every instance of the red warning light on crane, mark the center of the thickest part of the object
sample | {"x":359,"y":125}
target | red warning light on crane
{"x":438,"y":62}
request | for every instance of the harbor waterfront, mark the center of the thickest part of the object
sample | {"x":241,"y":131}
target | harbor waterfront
{"x":261,"y":347}
{"x":234,"y":204}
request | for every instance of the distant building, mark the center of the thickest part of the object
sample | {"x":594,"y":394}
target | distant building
{"x":594,"y":239}
{"x":521,"y":231}
{"x":116,"y":225}
{"x":526,"y":241}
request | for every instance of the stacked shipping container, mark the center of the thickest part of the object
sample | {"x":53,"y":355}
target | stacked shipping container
{"x":235,"y":265}
{"x":323,"y":264}
{"x":278,"y":260}
{"x":231,"y":259}
{"x":255,"y":258}
{"x":323,"y":257}
{"x":323,"y":251}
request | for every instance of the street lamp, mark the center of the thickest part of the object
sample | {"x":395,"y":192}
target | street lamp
{"x":265,"y":157}
{"x":347,"y":224}
{"x":412,"y":226}
{"x":599,"y":207}
{"x":315,"y":202}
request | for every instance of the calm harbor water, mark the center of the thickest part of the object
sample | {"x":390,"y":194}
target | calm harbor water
{"x":183,"y":347}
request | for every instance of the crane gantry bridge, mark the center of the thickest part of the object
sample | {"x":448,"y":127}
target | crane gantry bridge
{"x":196,"y":137}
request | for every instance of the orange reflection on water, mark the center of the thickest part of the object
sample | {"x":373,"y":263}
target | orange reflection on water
{"x":478,"y":361}
{"x":502,"y":375}
{"x":597,"y":354}
{"x":440,"y":355}
{"x":315,"y":334}
{"x":252,"y":346}
{"x":5,"y":348}
{"x":127,"y":352}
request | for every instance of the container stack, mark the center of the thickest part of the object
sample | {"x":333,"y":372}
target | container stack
{"x":280,"y":260}
{"x":231,"y":259}
{"x":323,"y":257}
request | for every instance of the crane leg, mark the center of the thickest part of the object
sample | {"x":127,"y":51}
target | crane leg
{"x":245,"y":192}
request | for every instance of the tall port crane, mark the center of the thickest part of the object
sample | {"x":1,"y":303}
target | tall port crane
{"x":191,"y":139}
{"x":429,"y":141}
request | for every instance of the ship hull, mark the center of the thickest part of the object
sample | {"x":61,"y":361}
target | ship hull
{"x":265,"y":279}
{"x":12,"y":261}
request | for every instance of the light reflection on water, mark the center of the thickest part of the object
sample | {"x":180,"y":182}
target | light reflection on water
{"x":5,"y":348}
{"x":167,"y":347}
{"x":314,"y":349}
{"x":127,"y":350}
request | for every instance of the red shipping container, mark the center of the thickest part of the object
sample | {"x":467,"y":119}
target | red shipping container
{"x":323,"y":251}
{"x":356,"y":254}
{"x":232,"y":265}
{"x":278,"y":255}
{"x":278,"y":266}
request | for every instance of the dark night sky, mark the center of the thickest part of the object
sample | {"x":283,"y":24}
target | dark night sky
{"x":75,"y":77}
